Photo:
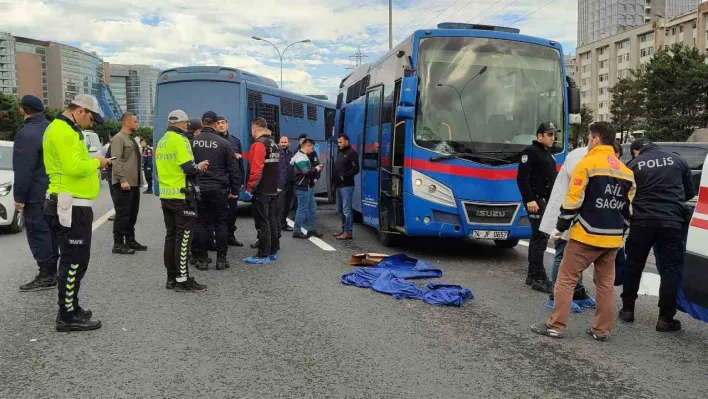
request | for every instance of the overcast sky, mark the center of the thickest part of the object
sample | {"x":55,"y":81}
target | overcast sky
{"x":169,"y":33}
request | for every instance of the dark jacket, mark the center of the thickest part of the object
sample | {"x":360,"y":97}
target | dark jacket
{"x":290,"y":171}
{"x":265,"y":166}
{"x":537,"y":173}
{"x":31,"y":180}
{"x":283,"y":167}
{"x":222,"y":173}
{"x":664,"y":183}
{"x":346,"y":167}
{"x":236,"y":147}
{"x":147,"y":153}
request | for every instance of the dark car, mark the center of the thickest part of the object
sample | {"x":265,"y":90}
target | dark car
{"x":693,"y":153}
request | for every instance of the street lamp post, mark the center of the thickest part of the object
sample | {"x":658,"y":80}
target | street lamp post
{"x":279,"y":53}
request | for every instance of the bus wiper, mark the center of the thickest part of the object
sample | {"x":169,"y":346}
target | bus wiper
{"x":459,"y":97}
{"x":469,"y":156}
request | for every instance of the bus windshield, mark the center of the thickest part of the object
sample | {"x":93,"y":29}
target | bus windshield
{"x":480,"y":95}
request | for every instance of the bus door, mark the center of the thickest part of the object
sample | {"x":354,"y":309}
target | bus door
{"x":391,"y":165}
{"x":370,"y":158}
{"x":331,"y":142}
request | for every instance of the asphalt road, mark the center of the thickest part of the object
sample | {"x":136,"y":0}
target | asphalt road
{"x":292,"y":330}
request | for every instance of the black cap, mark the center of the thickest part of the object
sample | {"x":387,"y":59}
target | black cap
{"x":221,"y":118}
{"x":209,"y":117}
{"x":32,"y":102}
{"x":641,"y":143}
{"x":547,"y":127}
{"x":302,"y":136}
{"x":194,"y":125}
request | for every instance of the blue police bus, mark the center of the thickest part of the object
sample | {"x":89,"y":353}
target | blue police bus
{"x":439,"y":123}
{"x":240,"y":97}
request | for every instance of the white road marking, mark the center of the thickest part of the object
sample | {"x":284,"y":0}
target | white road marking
{"x":649,"y":284}
{"x":323,"y":245}
{"x":100,"y":221}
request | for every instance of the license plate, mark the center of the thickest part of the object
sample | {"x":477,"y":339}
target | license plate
{"x":490,"y":234}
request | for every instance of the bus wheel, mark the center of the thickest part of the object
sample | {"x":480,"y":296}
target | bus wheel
{"x":389,"y":239}
{"x":506,"y":243}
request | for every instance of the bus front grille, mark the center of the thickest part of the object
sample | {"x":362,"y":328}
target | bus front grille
{"x":493,"y":214}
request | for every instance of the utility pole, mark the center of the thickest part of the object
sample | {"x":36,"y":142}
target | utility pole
{"x":390,"y":24}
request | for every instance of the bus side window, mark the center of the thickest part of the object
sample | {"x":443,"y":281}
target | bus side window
{"x":342,"y":115}
{"x":399,"y":130}
{"x":372,"y":128}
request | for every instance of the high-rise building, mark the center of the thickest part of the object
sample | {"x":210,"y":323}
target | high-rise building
{"x":602,"y":63}
{"x":598,"y":19}
{"x":57,"y":72}
{"x":8,"y":71}
{"x":134,"y":90}
{"x":570,"y":65}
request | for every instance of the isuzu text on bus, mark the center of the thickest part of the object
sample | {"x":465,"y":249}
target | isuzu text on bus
{"x":440,"y":122}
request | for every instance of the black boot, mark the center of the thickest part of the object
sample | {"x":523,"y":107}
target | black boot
{"x":202,"y":263}
{"x":234,"y":242}
{"x":221,"y":262}
{"x":120,"y":248}
{"x":73,"y":321}
{"x":668,"y":325}
{"x":40,"y":283}
{"x":132,"y":244}
{"x":627,"y":312}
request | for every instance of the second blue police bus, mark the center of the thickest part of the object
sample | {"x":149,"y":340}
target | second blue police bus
{"x":240,"y":97}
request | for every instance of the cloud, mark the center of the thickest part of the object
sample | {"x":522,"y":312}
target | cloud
{"x":172,"y":33}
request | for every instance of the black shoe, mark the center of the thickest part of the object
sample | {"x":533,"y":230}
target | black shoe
{"x":72,"y":322}
{"x":83,"y":314}
{"x":627,"y":315}
{"x":298,"y":234}
{"x":528,"y":280}
{"x":668,"y":325}
{"x":40,"y":283}
{"x":544,"y":286}
{"x":254,"y":245}
{"x":170,"y":284}
{"x":202,"y":264}
{"x":222,"y":263}
{"x":148,"y":192}
{"x":286,"y":228}
{"x":233,"y":242}
{"x":112,"y":218}
{"x":189,"y":285}
{"x":596,"y":337}
{"x":314,"y":233}
{"x":132,"y":244}
{"x":123,"y":250}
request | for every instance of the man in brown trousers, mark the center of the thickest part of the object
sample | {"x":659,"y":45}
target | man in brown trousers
{"x":126,"y":186}
{"x":596,"y":210}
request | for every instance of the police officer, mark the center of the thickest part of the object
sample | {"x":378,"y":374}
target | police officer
{"x":537,"y":172}
{"x":31,"y":183}
{"x":73,"y":186}
{"x":221,"y":182}
{"x":147,"y":154}
{"x":193,"y":128}
{"x":664,"y":184}
{"x":222,"y":126}
{"x":176,"y":172}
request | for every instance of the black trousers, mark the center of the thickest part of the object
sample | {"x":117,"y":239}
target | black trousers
{"x":233,"y":215}
{"x":537,"y":245}
{"x":41,"y":239}
{"x":180,"y":219}
{"x":127,"y":205}
{"x":668,"y":237}
{"x":212,"y":217}
{"x":288,"y":199}
{"x":266,"y":221}
{"x":75,"y":252}
{"x":148,"y":180}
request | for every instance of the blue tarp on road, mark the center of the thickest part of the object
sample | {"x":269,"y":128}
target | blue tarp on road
{"x":391,"y":274}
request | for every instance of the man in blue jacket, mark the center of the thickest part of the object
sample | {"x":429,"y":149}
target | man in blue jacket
{"x":31,"y":183}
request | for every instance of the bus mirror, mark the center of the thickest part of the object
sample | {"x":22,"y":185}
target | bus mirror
{"x":404,"y":113}
{"x":573,"y":100}
{"x":409,"y":91}
{"x":574,"y":119}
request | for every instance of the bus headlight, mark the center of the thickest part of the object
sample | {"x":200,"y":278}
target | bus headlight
{"x":432,"y":190}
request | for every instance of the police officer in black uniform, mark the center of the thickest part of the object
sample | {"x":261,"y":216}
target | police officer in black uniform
{"x":221,"y":182}
{"x":537,"y":173}
{"x":664,"y":184}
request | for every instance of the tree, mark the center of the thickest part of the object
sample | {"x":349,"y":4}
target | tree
{"x":51,"y":113}
{"x":10,"y":118}
{"x":627,"y":106}
{"x":676,"y":93}
{"x":580,"y":132}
